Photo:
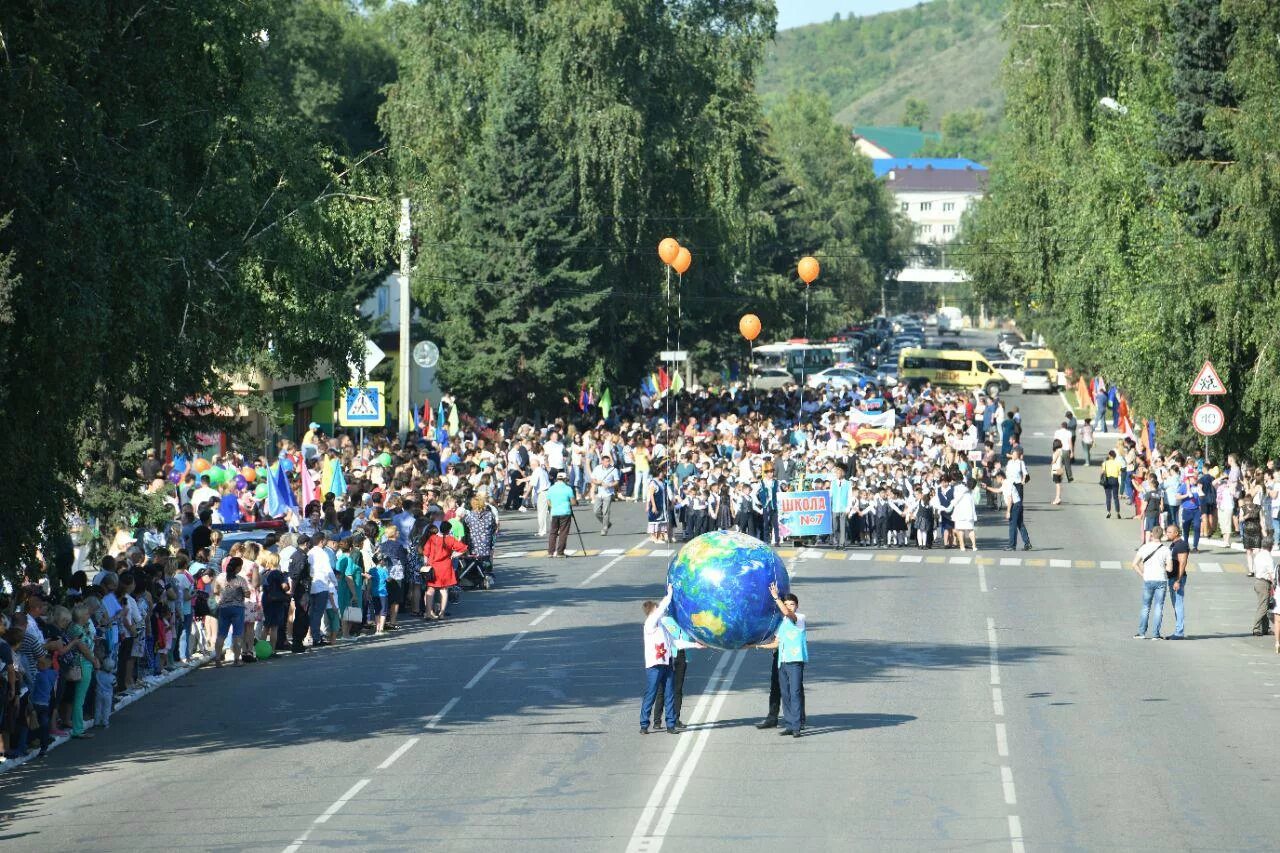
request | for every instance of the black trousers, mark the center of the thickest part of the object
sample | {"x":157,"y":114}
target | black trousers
{"x":514,"y":492}
{"x":680,"y":665}
{"x":775,"y":693}
{"x":301,"y":626}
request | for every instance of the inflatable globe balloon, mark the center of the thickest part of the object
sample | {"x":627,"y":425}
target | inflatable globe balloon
{"x":720,"y":589}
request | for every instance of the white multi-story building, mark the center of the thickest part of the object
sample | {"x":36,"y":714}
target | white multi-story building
{"x":936,"y":199}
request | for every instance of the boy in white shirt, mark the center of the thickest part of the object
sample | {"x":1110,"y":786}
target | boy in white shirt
{"x":658,"y":652}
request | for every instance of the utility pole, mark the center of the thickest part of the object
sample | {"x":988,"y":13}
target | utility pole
{"x":884,"y":310}
{"x":405,"y":232}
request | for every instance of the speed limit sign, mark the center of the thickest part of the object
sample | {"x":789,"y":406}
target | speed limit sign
{"x":1208,"y":419}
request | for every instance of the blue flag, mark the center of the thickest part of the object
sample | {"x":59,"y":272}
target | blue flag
{"x":279,"y":496}
{"x":339,"y":483}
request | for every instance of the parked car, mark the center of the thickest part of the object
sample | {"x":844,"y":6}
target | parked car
{"x":1009,"y":369}
{"x":771,"y":378}
{"x":1038,"y":380}
{"x":839,"y":377}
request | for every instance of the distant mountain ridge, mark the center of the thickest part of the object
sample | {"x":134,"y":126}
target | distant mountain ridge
{"x":946,"y":53}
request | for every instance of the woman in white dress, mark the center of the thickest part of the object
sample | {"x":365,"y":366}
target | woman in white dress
{"x":963,"y":515}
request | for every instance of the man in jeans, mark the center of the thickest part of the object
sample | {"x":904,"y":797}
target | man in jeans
{"x":324,"y":591}
{"x":1152,"y":562}
{"x":1012,"y":496}
{"x":1179,"y":557}
{"x":604,"y":483}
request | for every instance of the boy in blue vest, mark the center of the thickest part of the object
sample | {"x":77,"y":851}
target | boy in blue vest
{"x":793,"y":653}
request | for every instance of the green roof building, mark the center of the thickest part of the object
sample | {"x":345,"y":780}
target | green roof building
{"x":881,"y":142}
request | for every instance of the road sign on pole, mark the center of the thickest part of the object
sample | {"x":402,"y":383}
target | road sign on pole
{"x":1207,"y":381}
{"x":364,"y":407}
{"x":1208,"y":419}
{"x":674,"y":355}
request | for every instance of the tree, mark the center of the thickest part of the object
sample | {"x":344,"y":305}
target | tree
{"x":915,"y":113}
{"x":518,"y":327}
{"x":173,"y":226}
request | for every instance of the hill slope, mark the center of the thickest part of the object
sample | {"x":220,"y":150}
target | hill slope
{"x":946,"y":53}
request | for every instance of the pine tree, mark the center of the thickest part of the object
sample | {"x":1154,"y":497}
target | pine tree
{"x":518,"y":331}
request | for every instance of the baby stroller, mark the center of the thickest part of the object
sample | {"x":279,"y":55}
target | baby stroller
{"x":475,"y":571}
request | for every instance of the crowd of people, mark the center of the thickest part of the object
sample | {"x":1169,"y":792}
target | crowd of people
{"x":369,"y":535}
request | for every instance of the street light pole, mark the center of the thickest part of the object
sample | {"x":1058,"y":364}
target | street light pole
{"x":405,"y":231}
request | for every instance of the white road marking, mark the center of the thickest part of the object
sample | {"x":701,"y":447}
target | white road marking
{"x":542,"y":616}
{"x":504,"y":555}
{"x":997,"y":701}
{"x":982,"y":577}
{"x":475,"y":679}
{"x":961,"y":561}
{"x":910,"y":558}
{"x":1011,"y":561}
{"x":686,"y":772}
{"x":300,"y":840}
{"x":342,"y":801}
{"x":612,"y":552}
{"x":1209,"y":567}
{"x":395,"y":756}
{"x":511,"y":643}
{"x":662,"y":552}
{"x":640,"y":838}
{"x":598,"y":572}
{"x":1006,"y":779}
{"x":1038,"y":434}
{"x":1002,"y":741}
{"x":812,"y":554}
{"x":1015,"y":834}
{"x":1060,"y":564}
{"x":448,"y":706}
{"x":859,"y":556}
{"x":1109,"y":564}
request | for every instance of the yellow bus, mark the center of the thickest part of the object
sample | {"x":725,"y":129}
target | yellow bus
{"x":952,"y":368}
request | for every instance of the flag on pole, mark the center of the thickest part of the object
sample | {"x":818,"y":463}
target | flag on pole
{"x":279,"y":495}
{"x":664,"y":382}
{"x":582,"y":397}
{"x":339,"y":483}
{"x":308,"y":484}
{"x":677,"y":382}
{"x":606,"y":403}
{"x":453,"y":419}
{"x":326,"y":475}
{"x":440,"y":414}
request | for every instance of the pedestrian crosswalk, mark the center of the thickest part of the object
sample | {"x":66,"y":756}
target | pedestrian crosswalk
{"x":895,"y":556}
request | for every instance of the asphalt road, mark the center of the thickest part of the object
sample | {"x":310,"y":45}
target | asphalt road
{"x":996,"y":703}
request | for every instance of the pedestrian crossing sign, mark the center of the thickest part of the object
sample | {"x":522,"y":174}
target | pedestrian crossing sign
{"x":1207,"y":381}
{"x":364,"y":407}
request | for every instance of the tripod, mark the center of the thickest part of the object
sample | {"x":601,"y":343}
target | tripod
{"x":581,"y":544}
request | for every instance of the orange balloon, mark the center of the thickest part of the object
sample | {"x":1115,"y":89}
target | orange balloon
{"x":682,"y":261}
{"x":249,"y":474}
{"x":749,"y":326}
{"x":200,"y":465}
{"x":668,"y":249}
{"x":808,"y":269}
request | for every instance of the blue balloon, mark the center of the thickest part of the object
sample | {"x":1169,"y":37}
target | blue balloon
{"x":286,"y":464}
{"x":720,"y":589}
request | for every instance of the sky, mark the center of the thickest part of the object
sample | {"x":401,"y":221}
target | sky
{"x":796,"y":13}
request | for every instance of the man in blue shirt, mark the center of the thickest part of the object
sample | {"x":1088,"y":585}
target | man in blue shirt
{"x":841,"y":493}
{"x":560,"y":500}
{"x":793,"y":653}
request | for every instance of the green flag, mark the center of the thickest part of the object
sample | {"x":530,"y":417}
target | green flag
{"x":453,"y":419}
{"x":677,"y":382}
{"x":606,"y":403}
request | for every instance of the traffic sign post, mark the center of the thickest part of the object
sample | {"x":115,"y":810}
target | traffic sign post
{"x":1207,"y":419}
{"x":364,"y":407}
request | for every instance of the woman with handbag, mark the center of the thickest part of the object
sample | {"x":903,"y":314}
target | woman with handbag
{"x":81,"y":669}
{"x":350,"y":588}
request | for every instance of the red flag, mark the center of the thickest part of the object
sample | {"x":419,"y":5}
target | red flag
{"x":663,"y":381}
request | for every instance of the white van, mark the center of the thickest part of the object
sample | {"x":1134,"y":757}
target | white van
{"x":950,"y":321}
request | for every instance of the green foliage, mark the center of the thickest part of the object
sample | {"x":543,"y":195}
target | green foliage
{"x":1095,"y":228}
{"x":649,"y":128}
{"x":966,"y":133}
{"x":173,"y":225}
{"x":915,"y":113}
{"x":945,"y":54}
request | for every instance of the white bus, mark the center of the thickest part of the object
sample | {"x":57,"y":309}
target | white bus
{"x":796,"y":357}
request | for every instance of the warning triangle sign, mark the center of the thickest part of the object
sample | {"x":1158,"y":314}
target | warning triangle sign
{"x":1207,"y":381}
{"x":362,"y":406}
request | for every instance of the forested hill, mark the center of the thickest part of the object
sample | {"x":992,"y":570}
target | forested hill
{"x":946,"y":53}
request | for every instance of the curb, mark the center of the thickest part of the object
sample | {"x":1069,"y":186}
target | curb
{"x":148,"y":687}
